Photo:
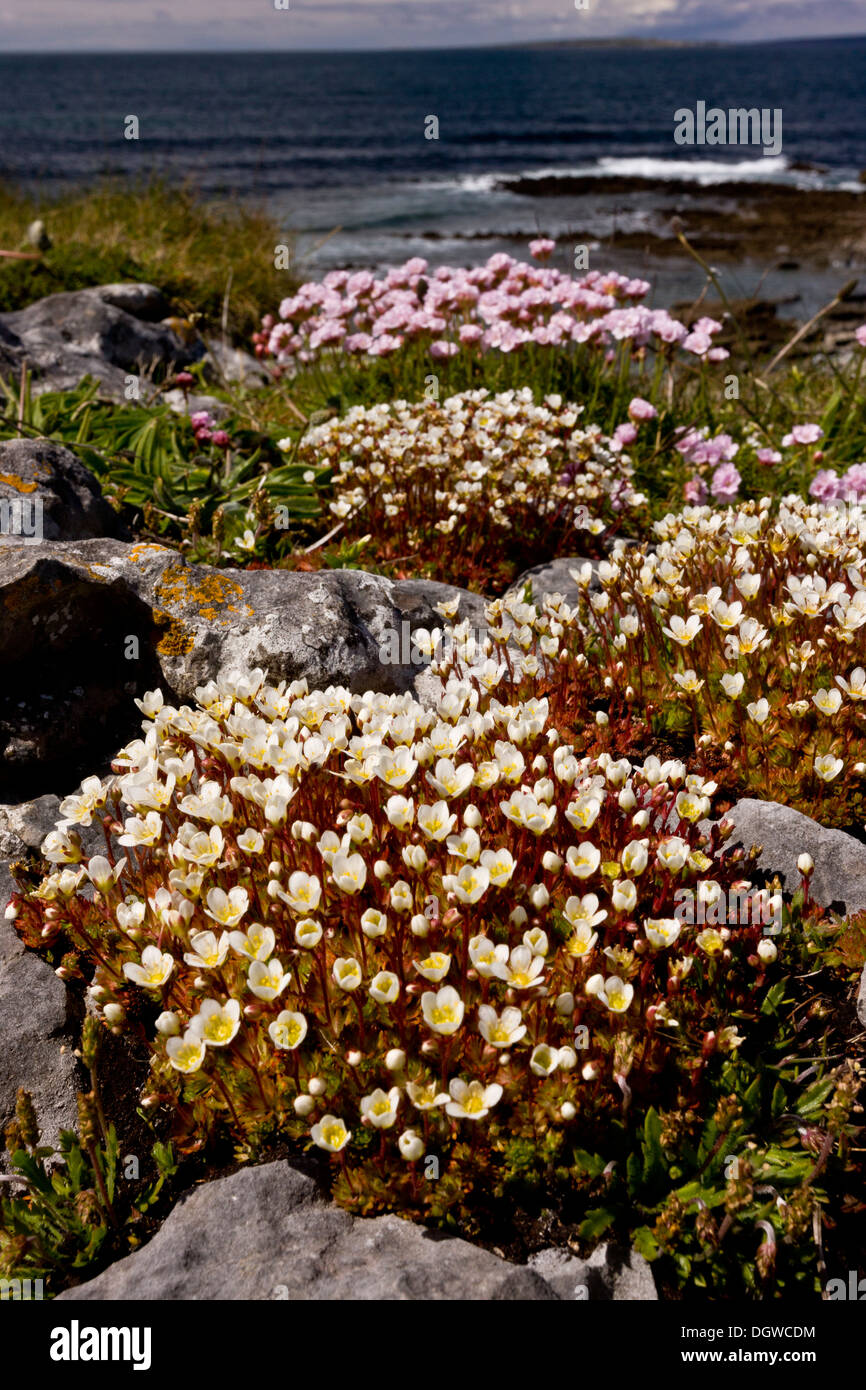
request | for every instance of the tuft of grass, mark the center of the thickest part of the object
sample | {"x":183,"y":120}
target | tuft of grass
{"x":197,"y":252}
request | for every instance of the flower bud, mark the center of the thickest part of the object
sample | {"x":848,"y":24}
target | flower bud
{"x":767,"y":951}
{"x":414,"y":857}
{"x":304,"y":1105}
{"x":113,"y":1013}
{"x":411,"y":1145}
{"x":419,"y":925}
{"x":353,"y":1058}
{"x":805,"y":863}
{"x":395,"y":1060}
{"x":565,"y":1004}
{"x":567,"y":1110}
{"x":382,"y":869}
{"x":316,"y":1086}
{"x":168,"y":1024}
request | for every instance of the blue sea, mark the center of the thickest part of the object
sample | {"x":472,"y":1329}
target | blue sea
{"x":335,"y":143}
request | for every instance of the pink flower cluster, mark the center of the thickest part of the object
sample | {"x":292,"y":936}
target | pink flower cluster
{"x":827,"y":486}
{"x":503,"y":305}
{"x":203,"y":428}
{"x":802,"y":434}
{"x":639,"y":410}
{"x":696,"y":448}
{"x":716,"y":453}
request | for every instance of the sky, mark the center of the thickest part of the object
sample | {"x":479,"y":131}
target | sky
{"x":192,"y":25}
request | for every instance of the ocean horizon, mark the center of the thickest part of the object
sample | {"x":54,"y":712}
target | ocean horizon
{"x":569,"y":141}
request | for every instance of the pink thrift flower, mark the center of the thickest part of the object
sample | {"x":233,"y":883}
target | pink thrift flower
{"x":442,"y":348}
{"x":384,"y":344}
{"x":698,"y":343}
{"x":221,"y":439}
{"x":855,"y":479}
{"x":541,"y":248}
{"x":357,"y":342}
{"x":769,"y":456}
{"x":640,"y":409}
{"x":803,"y":434}
{"x":860,"y":335}
{"x":725,"y":482}
{"x":624,"y":434}
{"x":668,"y":329}
{"x":824,"y":487}
{"x":695,"y":491}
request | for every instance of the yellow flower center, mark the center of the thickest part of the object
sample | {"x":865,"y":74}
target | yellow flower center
{"x":219,"y":1029}
{"x":472,"y":1104}
{"x":445,"y":1015}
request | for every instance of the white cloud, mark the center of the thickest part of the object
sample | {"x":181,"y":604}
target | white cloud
{"x":55,"y":25}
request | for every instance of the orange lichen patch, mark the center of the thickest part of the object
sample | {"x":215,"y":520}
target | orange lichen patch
{"x":216,"y":597}
{"x":11,"y":480}
{"x":175,"y":638}
{"x":143,"y":550}
{"x":100,"y":573}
